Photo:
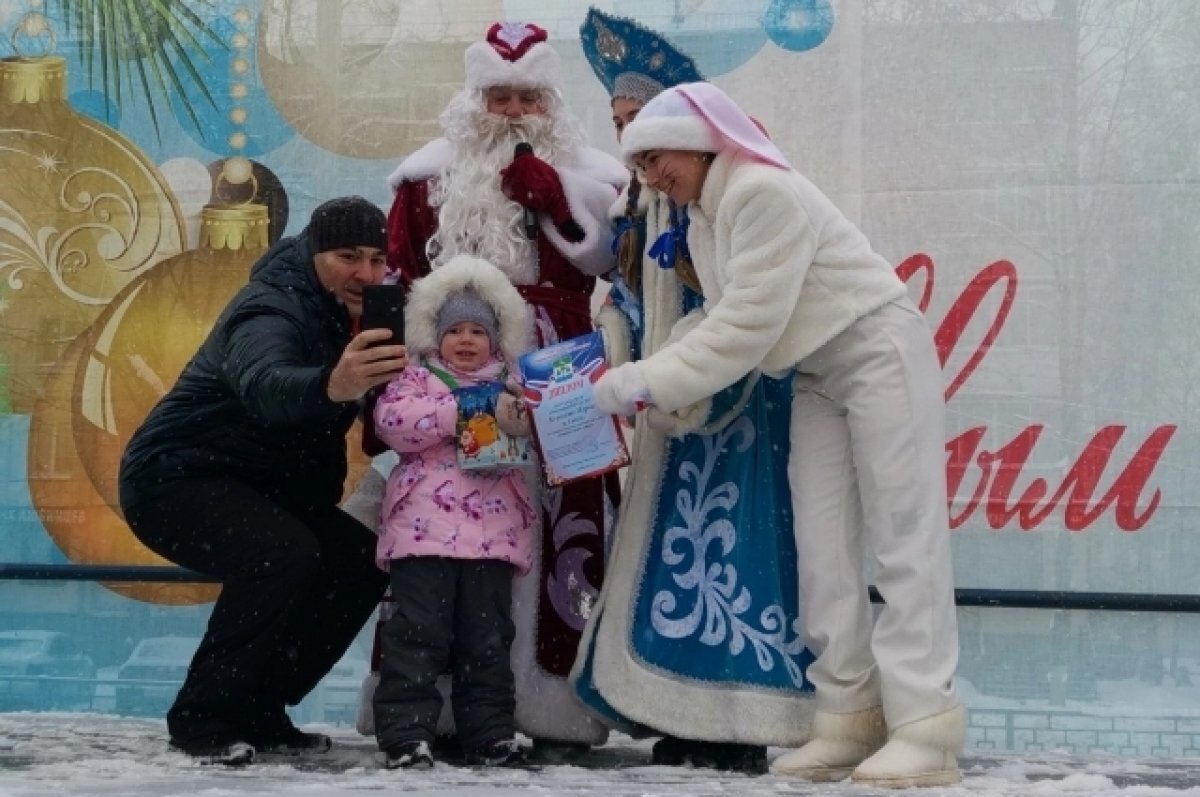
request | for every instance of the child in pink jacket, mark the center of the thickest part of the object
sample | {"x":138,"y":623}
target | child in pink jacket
{"x":452,"y":539}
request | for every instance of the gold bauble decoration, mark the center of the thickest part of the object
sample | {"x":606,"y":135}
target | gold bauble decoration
{"x":85,"y":526}
{"x":368,"y":78}
{"x":82,"y":214}
{"x":150,"y":331}
{"x":115,"y":373}
{"x":239,"y":180}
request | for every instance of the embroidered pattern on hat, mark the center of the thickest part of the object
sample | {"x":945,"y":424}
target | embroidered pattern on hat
{"x":631,"y":60}
{"x":511,"y":40}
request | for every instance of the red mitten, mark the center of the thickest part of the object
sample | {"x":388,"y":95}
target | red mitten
{"x":532,"y":183}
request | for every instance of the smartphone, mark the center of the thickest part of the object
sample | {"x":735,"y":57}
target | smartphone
{"x":383,"y":308}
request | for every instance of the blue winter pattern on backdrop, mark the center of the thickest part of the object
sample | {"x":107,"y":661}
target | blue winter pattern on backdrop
{"x":722,"y":35}
{"x":243,"y":118}
{"x":798,"y":25}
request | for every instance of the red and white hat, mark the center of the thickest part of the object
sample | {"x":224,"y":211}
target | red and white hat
{"x":513,"y":54}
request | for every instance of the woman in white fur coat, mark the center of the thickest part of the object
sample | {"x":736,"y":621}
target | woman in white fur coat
{"x":696,"y":633}
{"x":793,"y":287}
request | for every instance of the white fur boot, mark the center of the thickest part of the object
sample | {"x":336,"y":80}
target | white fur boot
{"x":921,"y":753}
{"x":840,"y":743}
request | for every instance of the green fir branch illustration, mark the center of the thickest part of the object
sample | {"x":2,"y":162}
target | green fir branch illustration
{"x":142,"y":45}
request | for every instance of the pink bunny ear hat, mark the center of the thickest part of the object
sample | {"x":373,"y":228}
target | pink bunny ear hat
{"x":697,"y":117}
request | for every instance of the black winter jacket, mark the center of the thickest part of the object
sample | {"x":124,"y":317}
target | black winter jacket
{"x":252,"y":404}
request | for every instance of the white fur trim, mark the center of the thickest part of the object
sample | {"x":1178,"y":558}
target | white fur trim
{"x":546,"y":704}
{"x":589,"y":194}
{"x":668,"y":132}
{"x":601,"y":166}
{"x":426,"y":162}
{"x":513,"y":317}
{"x":539,"y":68}
{"x":591,"y":179}
{"x":618,"y":341}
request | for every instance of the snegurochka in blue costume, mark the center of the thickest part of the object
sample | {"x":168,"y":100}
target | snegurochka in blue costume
{"x":695,"y":635}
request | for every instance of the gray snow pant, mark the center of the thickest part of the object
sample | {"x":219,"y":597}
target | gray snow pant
{"x":456,"y":615}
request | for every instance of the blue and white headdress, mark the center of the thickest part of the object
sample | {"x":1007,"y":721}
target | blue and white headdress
{"x":631,"y":60}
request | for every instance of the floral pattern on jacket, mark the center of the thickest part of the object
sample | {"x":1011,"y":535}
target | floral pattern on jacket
{"x":431,"y":506}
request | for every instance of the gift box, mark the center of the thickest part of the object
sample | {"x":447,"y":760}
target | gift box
{"x":482,"y":444}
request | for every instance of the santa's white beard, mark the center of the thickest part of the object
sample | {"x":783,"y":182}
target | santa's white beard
{"x":474,"y":216}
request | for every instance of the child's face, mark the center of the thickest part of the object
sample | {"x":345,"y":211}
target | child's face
{"x":466,"y":346}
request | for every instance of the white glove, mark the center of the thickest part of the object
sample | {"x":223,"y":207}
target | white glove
{"x":622,"y":390}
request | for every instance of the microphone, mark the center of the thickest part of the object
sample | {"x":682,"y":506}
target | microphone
{"x":528,"y":218}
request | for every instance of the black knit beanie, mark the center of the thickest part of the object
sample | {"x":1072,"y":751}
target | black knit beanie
{"x":347,"y":222}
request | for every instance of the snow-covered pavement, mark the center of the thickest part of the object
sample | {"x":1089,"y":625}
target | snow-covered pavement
{"x":90,"y":754}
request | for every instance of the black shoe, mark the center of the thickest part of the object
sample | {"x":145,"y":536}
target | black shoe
{"x":296,"y":742}
{"x":730,"y":757}
{"x":500,"y":753}
{"x":723,"y":756}
{"x":233,"y":754}
{"x":670,"y":751}
{"x":408,"y":755}
{"x":447,"y":748}
{"x":548,"y":751}
{"x":275,"y":733}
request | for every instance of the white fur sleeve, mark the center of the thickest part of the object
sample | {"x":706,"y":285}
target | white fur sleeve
{"x":772,"y":244}
{"x":590,"y":200}
{"x":618,"y":338}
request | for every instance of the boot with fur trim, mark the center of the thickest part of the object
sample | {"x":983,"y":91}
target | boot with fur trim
{"x":921,"y":753}
{"x":840,"y":743}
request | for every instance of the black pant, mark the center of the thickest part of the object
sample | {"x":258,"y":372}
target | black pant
{"x":297,"y":588}
{"x":454,"y":613}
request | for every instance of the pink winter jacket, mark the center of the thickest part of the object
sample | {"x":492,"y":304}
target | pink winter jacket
{"x":430,"y":506}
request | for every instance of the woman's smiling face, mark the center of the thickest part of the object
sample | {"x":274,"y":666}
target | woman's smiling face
{"x":677,"y":173}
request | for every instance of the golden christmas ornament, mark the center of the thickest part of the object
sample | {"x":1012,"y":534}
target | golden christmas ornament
{"x":87,"y":528}
{"x":83,"y":213}
{"x":115,"y":373}
{"x":150,"y":331}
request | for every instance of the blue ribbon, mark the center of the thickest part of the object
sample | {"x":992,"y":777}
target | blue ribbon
{"x":673,"y":241}
{"x":663,"y":250}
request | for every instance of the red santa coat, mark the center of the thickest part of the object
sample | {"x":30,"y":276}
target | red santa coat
{"x":552,"y":602}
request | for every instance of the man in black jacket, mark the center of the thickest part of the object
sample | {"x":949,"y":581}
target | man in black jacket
{"x":238,"y":472}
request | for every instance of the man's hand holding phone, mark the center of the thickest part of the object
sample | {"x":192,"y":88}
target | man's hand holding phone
{"x":377,"y":354}
{"x":366,"y":362}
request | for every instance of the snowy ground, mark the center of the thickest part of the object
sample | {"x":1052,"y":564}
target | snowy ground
{"x":88,"y":754}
